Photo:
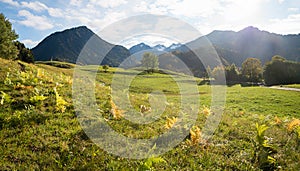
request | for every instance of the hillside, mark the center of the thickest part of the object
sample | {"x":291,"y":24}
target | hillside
{"x":39,"y":128}
{"x":67,"y":45}
{"x":231,"y":47}
{"x":235,"y":47}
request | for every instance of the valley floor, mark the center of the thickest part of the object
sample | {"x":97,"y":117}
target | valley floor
{"x":39,"y":128}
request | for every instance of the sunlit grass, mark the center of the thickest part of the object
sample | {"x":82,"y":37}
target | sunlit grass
{"x":34,"y":135}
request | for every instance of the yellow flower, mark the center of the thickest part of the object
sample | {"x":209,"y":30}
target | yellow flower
{"x":195,"y":133}
{"x":144,"y":109}
{"x":206,"y":111}
{"x":60,"y":102}
{"x":293,"y":124}
{"x":40,"y":73}
{"x":170,"y":122}
{"x":117,"y":113}
{"x":277,"y":120}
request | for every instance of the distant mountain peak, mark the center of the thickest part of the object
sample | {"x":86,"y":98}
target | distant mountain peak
{"x":67,"y":45}
{"x":139,"y":47}
{"x":141,"y":44}
{"x":174,"y":46}
{"x":159,"y":47}
{"x":250,"y":29}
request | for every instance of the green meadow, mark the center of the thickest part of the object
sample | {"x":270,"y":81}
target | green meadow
{"x":39,"y":129}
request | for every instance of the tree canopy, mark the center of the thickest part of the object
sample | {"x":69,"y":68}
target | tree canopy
{"x":8,"y":50}
{"x":252,"y":70}
{"x":150,"y":62}
{"x":25,"y":54}
{"x":281,"y":71}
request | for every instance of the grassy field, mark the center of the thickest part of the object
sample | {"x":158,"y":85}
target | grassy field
{"x":39,"y":129}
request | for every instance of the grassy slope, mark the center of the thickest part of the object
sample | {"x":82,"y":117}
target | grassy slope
{"x":35,"y":135}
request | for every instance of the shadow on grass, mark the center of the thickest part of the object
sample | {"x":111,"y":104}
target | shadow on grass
{"x":21,"y":118}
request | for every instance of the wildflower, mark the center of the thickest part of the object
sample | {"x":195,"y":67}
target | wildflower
{"x":195,"y":134}
{"x":206,"y":111}
{"x":170,"y":122}
{"x":40,"y":73}
{"x":117,"y":113}
{"x":60,"y":102}
{"x":293,"y":124}
{"x":144,"y":109}
{"x":277,"y":120}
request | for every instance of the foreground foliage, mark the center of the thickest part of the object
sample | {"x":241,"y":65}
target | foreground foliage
{"x":39,"y":129}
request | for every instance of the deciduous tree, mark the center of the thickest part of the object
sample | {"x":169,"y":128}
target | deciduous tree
{"x":281,"y":71}
{"x":252,"y":70}
{"x":150,"y":62}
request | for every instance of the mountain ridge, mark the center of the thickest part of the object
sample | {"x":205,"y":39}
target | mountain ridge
{"x":231,"y":46}
{"x":69,"y":44}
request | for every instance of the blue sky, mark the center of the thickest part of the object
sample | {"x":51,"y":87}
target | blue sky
{"x":34,"y":20}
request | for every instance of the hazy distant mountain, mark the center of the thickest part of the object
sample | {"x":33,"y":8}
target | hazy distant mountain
{"x":173,"y":47}
{"x":235,"y":47}
{"x":139,"y":47}
{"x":231,"y":47}
{"x":68,"y":44}
{"x":160,"y":47}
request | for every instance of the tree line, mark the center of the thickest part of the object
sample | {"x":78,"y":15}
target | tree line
{"x":10,"y":48}
{"x":275,"y":72}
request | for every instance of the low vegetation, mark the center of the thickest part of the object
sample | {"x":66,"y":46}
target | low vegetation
{"x":39,"y":128}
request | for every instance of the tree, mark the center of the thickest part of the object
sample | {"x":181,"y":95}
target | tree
{"x":105,"y":67}
{"x":8,"y":50}
{"x":281,"y":71}
{"x":218,"y":74}
{"x":232,"y":73}
{"x":150,"y":62}
{"x":252,"y":70}
{"x":207,"y":73}
{"x":25,"y":54}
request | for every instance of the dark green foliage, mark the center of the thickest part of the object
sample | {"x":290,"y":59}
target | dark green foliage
{"x":25,"y":54}
{"x":7,"y":37}
{"x":232,"y":74}
{"x":105,"y":68}
{"x":57,"y":64}
{"x":281,"y":71}
{"x":263,"y":150}
{"x":252,"y":70}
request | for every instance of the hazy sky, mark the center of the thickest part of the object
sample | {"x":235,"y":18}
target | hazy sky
{"x":34,"y":20}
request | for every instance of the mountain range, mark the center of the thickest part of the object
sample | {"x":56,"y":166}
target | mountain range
{"x":231,"y":47}
{"x":69,"y":44}
{"x":142,"y":47}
